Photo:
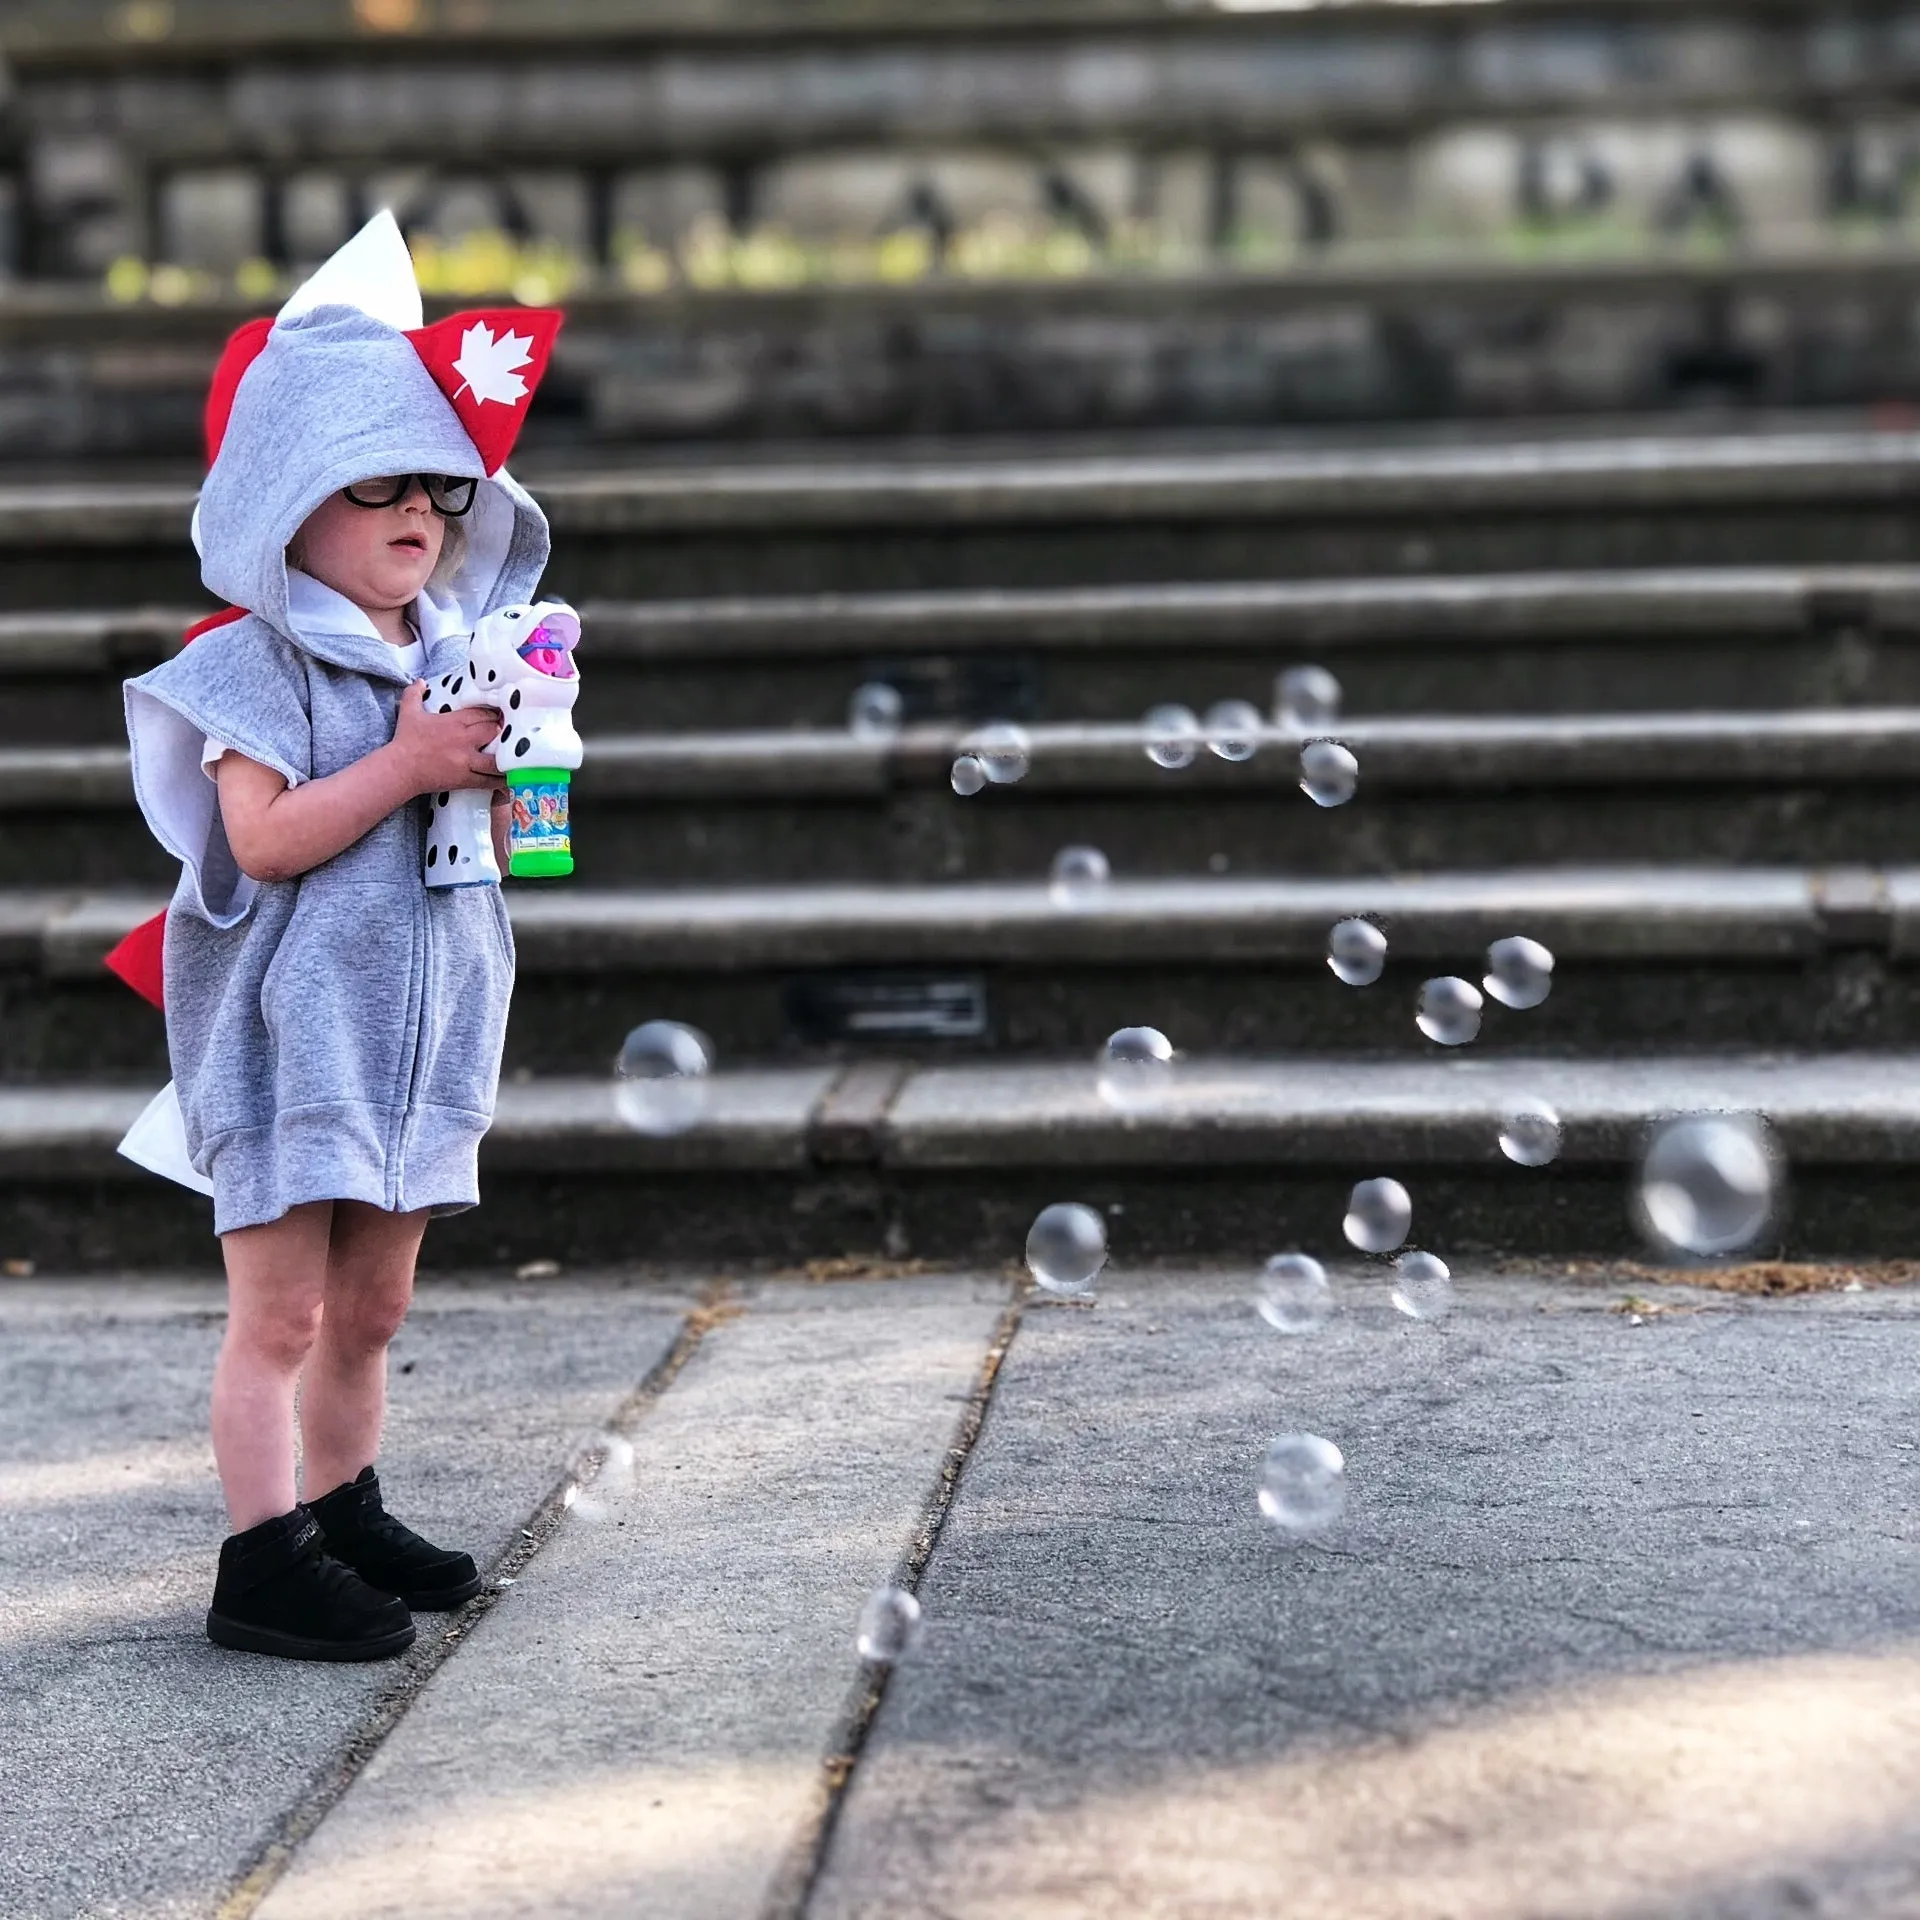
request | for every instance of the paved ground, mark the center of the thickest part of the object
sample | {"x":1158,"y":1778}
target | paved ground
{"x":1622,"y":1619}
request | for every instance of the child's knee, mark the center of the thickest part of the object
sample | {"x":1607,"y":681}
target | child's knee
{"x":382,"y":1316}
{"x":364,"y":1313}
{"x":278,"y":1333}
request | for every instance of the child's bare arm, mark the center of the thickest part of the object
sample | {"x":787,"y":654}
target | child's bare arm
{"x":501,"y":821}
{"x":277,"y":831}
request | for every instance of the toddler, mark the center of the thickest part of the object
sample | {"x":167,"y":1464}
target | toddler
{"x":334,"y":1025}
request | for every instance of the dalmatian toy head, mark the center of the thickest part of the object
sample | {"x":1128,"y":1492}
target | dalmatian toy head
{"x":520,"y":659}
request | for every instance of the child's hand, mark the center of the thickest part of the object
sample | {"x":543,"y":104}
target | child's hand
{"x":440,"y":750}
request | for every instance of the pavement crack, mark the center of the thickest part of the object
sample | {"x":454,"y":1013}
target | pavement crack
{"x":1638,"y":1635}
{"x":793,"y":1886}
{"x":431,"y":1652}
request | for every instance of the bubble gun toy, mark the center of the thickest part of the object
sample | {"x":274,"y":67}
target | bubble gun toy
{"x":520,"y":659}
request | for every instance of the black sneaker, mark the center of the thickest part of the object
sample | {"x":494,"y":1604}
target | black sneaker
{"x":360,"y":1532}
{"x":279,"y":1591}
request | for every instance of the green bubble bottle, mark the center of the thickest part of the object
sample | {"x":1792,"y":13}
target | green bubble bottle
{"x":540,"y":845}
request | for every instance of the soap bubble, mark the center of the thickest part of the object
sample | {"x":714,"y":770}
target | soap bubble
{"x":1233,"y":729}
{"x":1328,"y":773}
{"x":661,"y":1088}
{"x":1519,"y":972}
{"x":1422,"y":1286}
{"x":1173,"y":736}
{"x":616,"y":1459}
{"x":1357,"y":952}
{"x":1136,"y":1066}
{"x":1066,"y":1247}
{"x":875,"y":710}
{"x":578,"y":1504}
{"x":1294,"y":1296}
{"x":1449,"y":1011}
{"x":968,"y":775}
{"x":1078,"y":876}
{"x":1379,"y":1216}
{"x":1306,"y":700}
{"x":1303,"y":1483}
{"x":606,"y":1459}
{"x":1706,"y":1183}
{"x":1003,"y":751}
{"x":598,"y":1465}
{"x":889,"y":1626}
{"x":1530,"y":1133}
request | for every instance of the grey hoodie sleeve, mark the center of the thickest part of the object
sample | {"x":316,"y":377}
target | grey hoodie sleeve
{"x":243,"y":685}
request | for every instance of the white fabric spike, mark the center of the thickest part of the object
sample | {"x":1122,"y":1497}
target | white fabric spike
{"x":373,"y":271}
{"x":158,"y":1142}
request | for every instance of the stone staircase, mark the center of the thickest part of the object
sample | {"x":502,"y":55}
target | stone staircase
{"x":1650,"y":700}
{"x":780,"y":219}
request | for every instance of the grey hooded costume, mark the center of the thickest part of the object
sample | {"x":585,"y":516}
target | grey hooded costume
{"x":338,"y":1035}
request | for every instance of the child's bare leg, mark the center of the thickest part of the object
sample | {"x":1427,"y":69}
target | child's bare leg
{"x":369,"y":1285}
{"x":279,"y":1591}
{"x":276,"y":1283}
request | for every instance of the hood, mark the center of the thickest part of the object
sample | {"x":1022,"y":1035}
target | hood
{"x":334,"y":396}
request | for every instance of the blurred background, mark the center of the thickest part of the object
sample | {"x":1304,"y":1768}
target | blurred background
{"x":1537,"y":377}
{"x":808,"y":218}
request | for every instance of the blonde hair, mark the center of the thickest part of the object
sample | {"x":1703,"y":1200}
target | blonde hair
{"x":453,"y":555}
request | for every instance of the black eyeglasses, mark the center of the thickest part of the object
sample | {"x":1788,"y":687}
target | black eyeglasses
{"x":445,"y":495}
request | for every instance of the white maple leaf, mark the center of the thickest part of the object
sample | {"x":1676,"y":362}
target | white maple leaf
{"x":486,"y":364}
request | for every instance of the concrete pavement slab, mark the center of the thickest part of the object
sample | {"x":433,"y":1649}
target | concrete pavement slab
{"x":141,"y":1769}
{"x":641,"y":1726}
{"x":1621,"y":1621}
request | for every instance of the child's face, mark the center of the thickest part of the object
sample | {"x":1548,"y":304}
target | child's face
{"x":378,"y":557}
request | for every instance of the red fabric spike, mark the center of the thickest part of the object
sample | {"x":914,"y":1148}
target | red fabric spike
{"x":137,"y":960}
{"x":206,"y":624}
{"x":488,"y":362}
{"x":241,"y":351}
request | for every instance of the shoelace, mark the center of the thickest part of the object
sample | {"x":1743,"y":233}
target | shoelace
{"x":333,"y":1575}
{"x":380,"y":1528}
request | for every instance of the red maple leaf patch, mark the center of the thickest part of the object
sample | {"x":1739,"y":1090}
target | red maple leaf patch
{"x":488,"y":364}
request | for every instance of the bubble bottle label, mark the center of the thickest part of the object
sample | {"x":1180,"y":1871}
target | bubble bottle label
{"x":541,"y":843}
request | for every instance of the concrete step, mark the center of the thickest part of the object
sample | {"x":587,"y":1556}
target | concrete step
{"x":799,"y":527}
{"x":763,"y":808}
{"x":1450,"y":791}
{"x":1710,"y":638}
{"x":1556,"y":642}
{"x":1377,"y":338}
{"x":1243,"y":1156}
{"x":707,"y":79}
{"x":1651,"y":958}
